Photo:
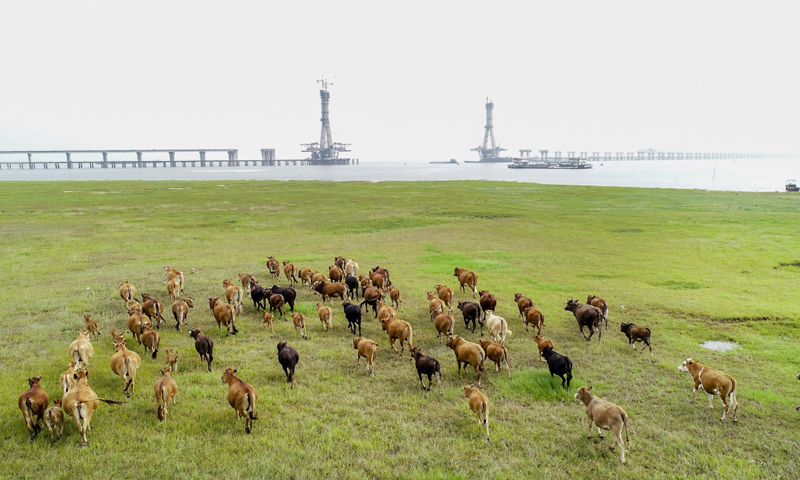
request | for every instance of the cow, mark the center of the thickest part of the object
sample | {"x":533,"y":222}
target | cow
{"x":605,"y":415}
{"x":173,"y":274}
{"x":368,"y":349}
{"x":445,"y":294}
{"x":713,"y":382}
{"x":601,"y":304}
{"x":137,"y":323}
{"x":385,"y":311}
{"x":135,"y":306}
{"x":383,"y":273}
{"x":372,"y":295}
{"x":115,"y":336}
{"x":325,"y":314}
{"x":127,"y":291}
{"x":274,"y":267}
{"x":269,"y":320}
{"x":352,"y":287}
{"x":471,"y":312}
{"x":290,"y":270}
{"x":224,"y":314}
{"x":32,"y":403}
{"x":353,"y":315}
{"x":365,"y":282}
{"x":328,"y":290}
{"x":497,"y":353}
{"x":180,"y":311}
{"x":277,"y":303}
{"x":335,"y":273}
{"x":587,"y":316}
{"x":378,"y":280}
{"x":542,"y":342}
{"x":396,"y":297}
{"x":559,"y":365}
{"x":487,"y":301}
{"x":242,"y":397}
{"x":259,"y":295}
{"x":151,"y":341}
{"x":80,"y":402}
{"x":497,"y":327}
{"x":54,"y":419}
{"x":289,"y":295}
{"x":635,"y":334}
{"x":299,"y":321}
{"x":339,"y":262}
{"x":445,"y":324}
{"x":245,"y":279}
{"x":204,"y":345}
{"x":81,"y":349}
{"x":173,"y":289}
{"x":165,"y":390}
{"x":172,"y":360}
{"x":467,"y":279}
{"x":305,"y":276}
{"x":316,"y":277}
{"x":435,"y":305}
{"x":467,"y":353}
{"x":398,"y":330}
{"x":125,"y":363}
{"x":479,"y":404}
{"x":288,"y":358}
{"x":66,"y":379}
{"x":234,"y":294}
{"x":426,"y":365}
{"x":522,"y":303}
{"x":91,"y":326}
{"x":153,"y":308}
{"x":534,"y":317}
{"x":351,"y":268}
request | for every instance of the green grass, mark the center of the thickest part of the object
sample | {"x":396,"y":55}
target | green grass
{"x":691,"y":265}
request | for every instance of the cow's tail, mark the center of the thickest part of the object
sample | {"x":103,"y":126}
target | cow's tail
{"x":569,"y":371}
{"x":374,"y":355}
{"x":161,"y":403}
{"x":233,"y":321}
{"x":155,"y":348}
{"x":483,"y":359}
{"x":251,"y":407}
{"x":505,"y":354}
{"x":475,"y":285}
{"x":410,"y":337}
{"x":542,"y":315}
{"x":504,"y":326}
{"x":625,"y":425}
{"x":485,"y":414}
{"x":452,"y":328}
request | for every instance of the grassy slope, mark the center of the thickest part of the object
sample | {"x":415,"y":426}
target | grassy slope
{"x":691,"y":265}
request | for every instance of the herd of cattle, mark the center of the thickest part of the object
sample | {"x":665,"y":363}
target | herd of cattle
{"x":342,"y":281}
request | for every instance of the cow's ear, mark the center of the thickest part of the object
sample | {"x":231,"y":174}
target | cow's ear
{"x":589,"y":389}
{"x":235,"y":370}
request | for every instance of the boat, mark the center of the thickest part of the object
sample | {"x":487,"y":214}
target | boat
{"x":572,"y":163}
{"x":452,"y":161}
{"x":791,"y":186}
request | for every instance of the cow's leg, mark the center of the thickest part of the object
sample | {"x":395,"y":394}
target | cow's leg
{"x":589,"y":429}
{"x":419,"y":374}
{"x":711,"y":403}
{"x":600,"y":434}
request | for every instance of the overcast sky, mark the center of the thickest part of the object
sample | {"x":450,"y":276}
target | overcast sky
{"x":409,"y":78}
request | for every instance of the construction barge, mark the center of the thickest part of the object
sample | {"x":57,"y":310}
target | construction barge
{"x":573,"y":163}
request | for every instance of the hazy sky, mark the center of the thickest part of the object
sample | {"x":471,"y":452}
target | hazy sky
{"x":409,"y":78}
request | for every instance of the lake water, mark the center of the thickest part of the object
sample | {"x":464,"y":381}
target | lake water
{"x":752,"y":175}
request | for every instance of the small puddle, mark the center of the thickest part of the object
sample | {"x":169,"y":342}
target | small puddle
{"x":719,"y":346}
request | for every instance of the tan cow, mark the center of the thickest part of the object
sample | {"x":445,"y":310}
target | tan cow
{"x":32,"y":403}
{"x":479,"y":404}
{"x":542,"y":343}
{"x":165,"y":390}
{"x":180,"y":311}
{"x":127,"y":291}
{"x":173,"y":274}
{"x":351,"y":267}
{"x":299,"y":321}
{"x":224,"y":314}
{"x":66,"y":379}
{"x":151,"y":341}
{"x":305,"y":276}
{"x":445,"y":324}
{"x":274,"y":267}
{"x":114,"y":337}
{"x":80,"y":402}
{"x":435,"y":305}
{"x":172,"y":360}
{"x":398,"y":330}
{"x":497,"y":353}
{"x":153,"y":308}
{"x":316,"y":277}
{"x":137,"y":322}
{"x":242,"y":397}
{"x":385,"y":311}
{"x":395,"y":296}
{"x":81,"y":349}
{"x":467,"y":279}
{"x":598,"y":302}
{"x":496,"y":327}
{"x":234,"y":295}
{"x":290,"y":270}
{"x":269,"y":319}
{"x":368,"y":349}
{"x":523,"y":302}
{"x":173,"y":289}
{"x":244,"y":279}
{"x":325,"y":316}
{"x":91,"y":326}
{"x":468,"y":353}
{"x":335,"y":273}
{"x":446,"y":294}
{"x":605,"y":415}
{"x":135,"y":306}
{"x":534,"y":317}
{"x":125,"y":363}
{"x":54,"y":419}
{"x":713,"y":382}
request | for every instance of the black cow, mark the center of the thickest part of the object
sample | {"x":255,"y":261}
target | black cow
{"x":259,"y":295}
{"x":587,"y":316}
{"x":471,"y":312}
{"x":288,"y":357}
{"x":353,"y":315}
{"x":288,"y":293}
{"x":429,"y":366}
{"x":352,"y":286}
{"x":558,"y":364}
{"x":204,"y":345}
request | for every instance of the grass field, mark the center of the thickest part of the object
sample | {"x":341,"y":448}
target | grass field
{"x":691,"y":265}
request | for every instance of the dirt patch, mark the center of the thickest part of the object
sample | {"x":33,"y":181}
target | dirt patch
{"x":719,"y":346}
{"x":795,"y":264}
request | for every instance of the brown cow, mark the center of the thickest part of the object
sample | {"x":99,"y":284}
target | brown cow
{"x":269,"y":319}
{"x":384,"y":273}
{"x":137,"y":323}
{"x":244,"y":279}
{"x":234,"y":295}
{"x":488,"y":301}
{"x":54,"y":419}
{"x":497,"y":353}
{"x":80,"y":402}
{"x":316,"y":277}
{"x":290,"y":270}
{"x":204,"y":345}
{"x":542,"y":343}
{"x":328,"y":290}
{"x":446,"y":294}
{"x":33,"y":402}
{"x":379,"y":280}
{"x":605,"y":415}
{"x":91,"y":325}
{"x":340,"y":262}
{"x":180,"y":310}
{"x":81,"y":349}
{"x":479,"y":404}
{"x":151,"y":341}
{"x":335,"y":273}
{"x":114,"y":337}
{"x":385,"y":311}
{"x":134,"y":306}
{"x":173,"y":274}
{"x":165,"y":390}
{"x":224,"y":314}
{"x":274,"y":267}
{"x":598,"y":302}
{"x":444,"y":325}
{"x":125,"y":363}
{"x":365,"y":282}
{"x":173,"y":289}
{"x":127,"y":291}
{"x":398,"y":330}
{"x":468,"y":353}
{"x":153,"y":308}
{"x":522,"y":303}
{"x":242,"y":397}
{"x":635,"y":333}
{"x":277,"y":302}
{"x":299,"y":321}
{"x":467,"y":279}
{"x":435,"y":305}
{"x":172,"y":360}
{"x":368,"y":349}
{"x":587,"y":316}
{"x":534,"y":317}
{"x":325,"y":316}
{"x":305,"y":276}
{"x":395,"y":295}
{"x":66,"y":379}
{"x":372,"y":295}
{"x":713,"y":382}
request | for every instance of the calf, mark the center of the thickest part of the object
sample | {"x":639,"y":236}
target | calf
{"x":204,"y":345}
{"x":534,"y":317}
{"x":713,"y":382}
{"x":367,"y":349}
{"x":299,"y":321}
{"x":245,"y":279}
{"x":242,"y":397}
{"x":80,"y":402}
{"x":325,"y":316}
{"x":165,"y":390}
{"x":605,"y":415}
{"x":234,"y":295}
{"x":365,"y":282}
{"x":398,"y":330}
{"x":288,"y":358}
{"x":224,"y":314}
{"x":92,"y":327}
{"x":435,"y":305}
{"x":135,"y":306}
{"x":445,"y":324}
{"x":81,"y":350}
{"x":522,"y":303}
{"x":487,"y":302}
{"x":352,"y":287}
{"x":372,"y":295}
{"x":173,"y":289}
{"x":635,"y":334}
{"x":351,"y":268}
{"x":305,"y":276}
{"x":137,"y":323}
{"x":601,"y":304}
{"x":273,"y":266}
{"x":127,"y":291}
{"x":395,"y":296}
{"x":173,"y":274}
{"x":259,"y":295}
{"x":290,"y":270}
{"x":180,"y":311}
{"x":587,"y":316}
{"x":328,"y":290}
{"x":467,"y":279}
{"x":497,"y":353}
{"x":468,"y":353}
{"x":335,"y":273}
{"x":54,"y":419}
{"x":542,"y":342}
{"x":427,"y":365}
{"x":497,"y":327}
{"x":445,"y":294}
{"x":151,"y":340}
{"x":125,"y":363}
{"x":479,"y":404}
{"x":353,"y":315}
{"x":32,"y":403}
{"x":153,"y":308}
{"x":471,"y":312}
{"x":269,"y":320}
{"x":289,"y":295}
{"x":559,"y":365}
{"x":277,"y":303}
{"x":172,"y":360}
{"x":66,"y":379}
{"x":115,"y":336}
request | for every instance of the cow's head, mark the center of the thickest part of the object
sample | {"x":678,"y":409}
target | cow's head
{"x":212,"y":301}
{"x":583,"y":394}
{"x":590,"y":298}
{"x":229,"y":374}
{"x":684,"y":367}
{"x":356,"y":341}
{"x":452,"y":340}
{"x":195,"y":332}
{"x":572,"y":304}
{"x":281,"y":345}
{"x":166,"y":370}
{"x":34,"y":380}
{"x":624,"y":327}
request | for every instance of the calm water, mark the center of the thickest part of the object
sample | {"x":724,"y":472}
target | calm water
{"x":755,"y":175}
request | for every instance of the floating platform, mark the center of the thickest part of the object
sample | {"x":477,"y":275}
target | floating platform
{"x":553,"y":163}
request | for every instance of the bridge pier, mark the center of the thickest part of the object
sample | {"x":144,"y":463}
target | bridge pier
{"x":202,"y":158}
{"x":105,"y":159}
{"x":171,"y":159}
{"x":69,"y":160}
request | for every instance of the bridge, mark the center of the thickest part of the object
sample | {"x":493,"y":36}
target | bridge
{"x":103,"y":161}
